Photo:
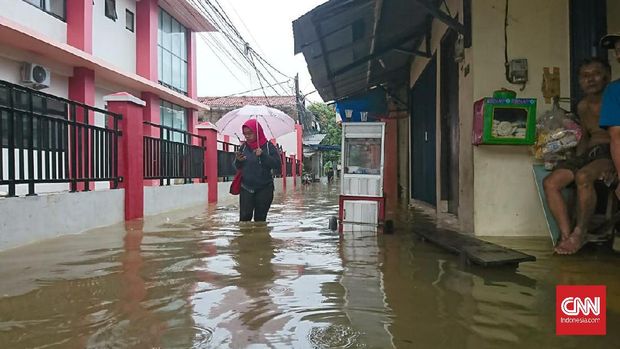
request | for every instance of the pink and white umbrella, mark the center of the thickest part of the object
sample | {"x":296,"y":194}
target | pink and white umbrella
{"x":275,"y":123}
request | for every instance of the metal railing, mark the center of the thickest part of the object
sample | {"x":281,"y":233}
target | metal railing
{"x":289,"y":167}
{"x":49,"y":139}
{"x":173,"y":155}
{"x":225,"y":159}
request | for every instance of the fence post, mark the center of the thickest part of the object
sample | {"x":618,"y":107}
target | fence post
{"x":208,"y":130}
{"x":294,"y":169}
{"x":284,"y":169}
{"x":131,"y":150}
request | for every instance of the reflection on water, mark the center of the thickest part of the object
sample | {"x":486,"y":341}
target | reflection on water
{"x":205,"y":281}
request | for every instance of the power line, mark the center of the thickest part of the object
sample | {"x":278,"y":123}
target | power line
{"x":273,"y":77}
{"x":230,"y":3}
{"x":222,"y":22}
{"x":269,"y":64}
{"x":221,"y":60}
{"x":217,"y":47}
{"x":252,"y":90}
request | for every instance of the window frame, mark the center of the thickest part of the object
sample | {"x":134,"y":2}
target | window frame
{"x":176,"y":62}
{"x":42,"y":6}
{"x":184,"y":127}
{"x":107,"y":11}
{"x":133,"y":21}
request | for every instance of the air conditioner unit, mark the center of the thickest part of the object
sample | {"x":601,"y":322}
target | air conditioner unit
{"x":35,"y":75}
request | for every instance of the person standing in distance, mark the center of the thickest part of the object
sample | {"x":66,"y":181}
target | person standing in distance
{"x":256,"y":160}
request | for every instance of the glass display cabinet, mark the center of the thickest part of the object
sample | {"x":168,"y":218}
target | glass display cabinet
{"x":361,"y":201}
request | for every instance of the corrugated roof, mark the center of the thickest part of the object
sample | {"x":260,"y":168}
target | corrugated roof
{"x":351,"y":46}
{"x":240,"y":101}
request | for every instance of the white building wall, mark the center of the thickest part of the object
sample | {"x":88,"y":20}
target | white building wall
{"x":506,"y":202}
{"x":34,"y":18}
{"x":111,"y":41}
{"x":10,"y":65}
{"x":288,"y":143}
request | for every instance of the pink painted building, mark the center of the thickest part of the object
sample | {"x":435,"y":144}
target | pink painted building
{"x":98,"y":95}
{"x":83,"y":50}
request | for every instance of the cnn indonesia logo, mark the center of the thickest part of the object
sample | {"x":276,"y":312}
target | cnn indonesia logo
{"x":580,"y":310}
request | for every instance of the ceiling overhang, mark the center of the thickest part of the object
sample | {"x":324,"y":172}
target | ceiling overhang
{"x":352,"y":46}
{"x":17,"y":36}
{"x":187,"y":14}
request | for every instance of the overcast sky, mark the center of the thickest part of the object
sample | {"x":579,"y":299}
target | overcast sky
{"x":267,"y":26}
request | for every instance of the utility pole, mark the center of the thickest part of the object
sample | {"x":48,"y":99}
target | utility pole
{"x":298,"y":99}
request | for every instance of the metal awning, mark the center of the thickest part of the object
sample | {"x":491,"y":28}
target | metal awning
{"x":313,"y":139}
{"x":351,"y":46}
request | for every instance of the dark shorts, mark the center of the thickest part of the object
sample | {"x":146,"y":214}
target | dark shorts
{"x":599,"y":151}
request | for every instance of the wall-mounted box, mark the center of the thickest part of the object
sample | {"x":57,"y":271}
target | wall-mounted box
{"x":504,"y":121}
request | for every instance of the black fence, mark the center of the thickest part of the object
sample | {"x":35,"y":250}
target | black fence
{"x":48,"y":139}
{"x":226,"y":157}
{"x":289,"y":167}
{"x":225,"y":160}
{"x":173,"y":155}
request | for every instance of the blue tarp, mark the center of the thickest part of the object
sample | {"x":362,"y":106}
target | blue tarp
{"x":373,"y":102}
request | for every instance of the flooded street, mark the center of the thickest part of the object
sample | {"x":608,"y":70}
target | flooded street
{"x":208,"y":282}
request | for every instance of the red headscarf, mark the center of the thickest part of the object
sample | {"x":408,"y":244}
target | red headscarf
{"x":253,"y":125}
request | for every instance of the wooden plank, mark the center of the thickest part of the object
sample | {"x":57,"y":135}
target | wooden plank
{"x":475,"y":250}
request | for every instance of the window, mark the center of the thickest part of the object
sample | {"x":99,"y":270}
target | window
{"x":110,"y":9}
{"x":129,"y":20}
{"x":173,"y":116}
{"x":172,"y":52}
{"x":54,"y":7}
{"x":48,"y":135}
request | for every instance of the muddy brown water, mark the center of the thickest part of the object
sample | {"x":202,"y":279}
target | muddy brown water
{"x":199,"y":279}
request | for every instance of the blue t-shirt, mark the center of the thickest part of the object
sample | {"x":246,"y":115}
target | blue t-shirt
{"x":610,"y":108}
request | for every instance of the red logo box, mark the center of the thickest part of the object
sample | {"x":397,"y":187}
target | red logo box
{"x":580,"y":310}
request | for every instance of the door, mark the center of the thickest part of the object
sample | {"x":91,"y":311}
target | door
{"x":588,"y":23}
{"x":449,"y":111}
{"x":423,"y":117}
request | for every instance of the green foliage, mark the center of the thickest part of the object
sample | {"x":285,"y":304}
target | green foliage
{"x":326,"y":117}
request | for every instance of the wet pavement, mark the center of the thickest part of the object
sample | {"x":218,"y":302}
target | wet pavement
{"x":205,"y":281}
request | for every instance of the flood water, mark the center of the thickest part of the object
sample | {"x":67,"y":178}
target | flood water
{"x":205,"y":281}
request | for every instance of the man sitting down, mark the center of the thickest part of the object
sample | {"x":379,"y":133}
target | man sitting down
{"x":586,"y":168}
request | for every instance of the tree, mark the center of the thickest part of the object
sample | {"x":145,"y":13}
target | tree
{"x":326,"y":117}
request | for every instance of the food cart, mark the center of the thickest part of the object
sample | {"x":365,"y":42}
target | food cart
{"x":361,"y":202}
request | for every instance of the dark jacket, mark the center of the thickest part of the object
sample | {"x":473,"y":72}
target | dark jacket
{"x":256,"y":172}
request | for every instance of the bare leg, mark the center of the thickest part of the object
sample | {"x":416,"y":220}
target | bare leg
{"x":553,"y":185}
{"x":586,"y":203}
